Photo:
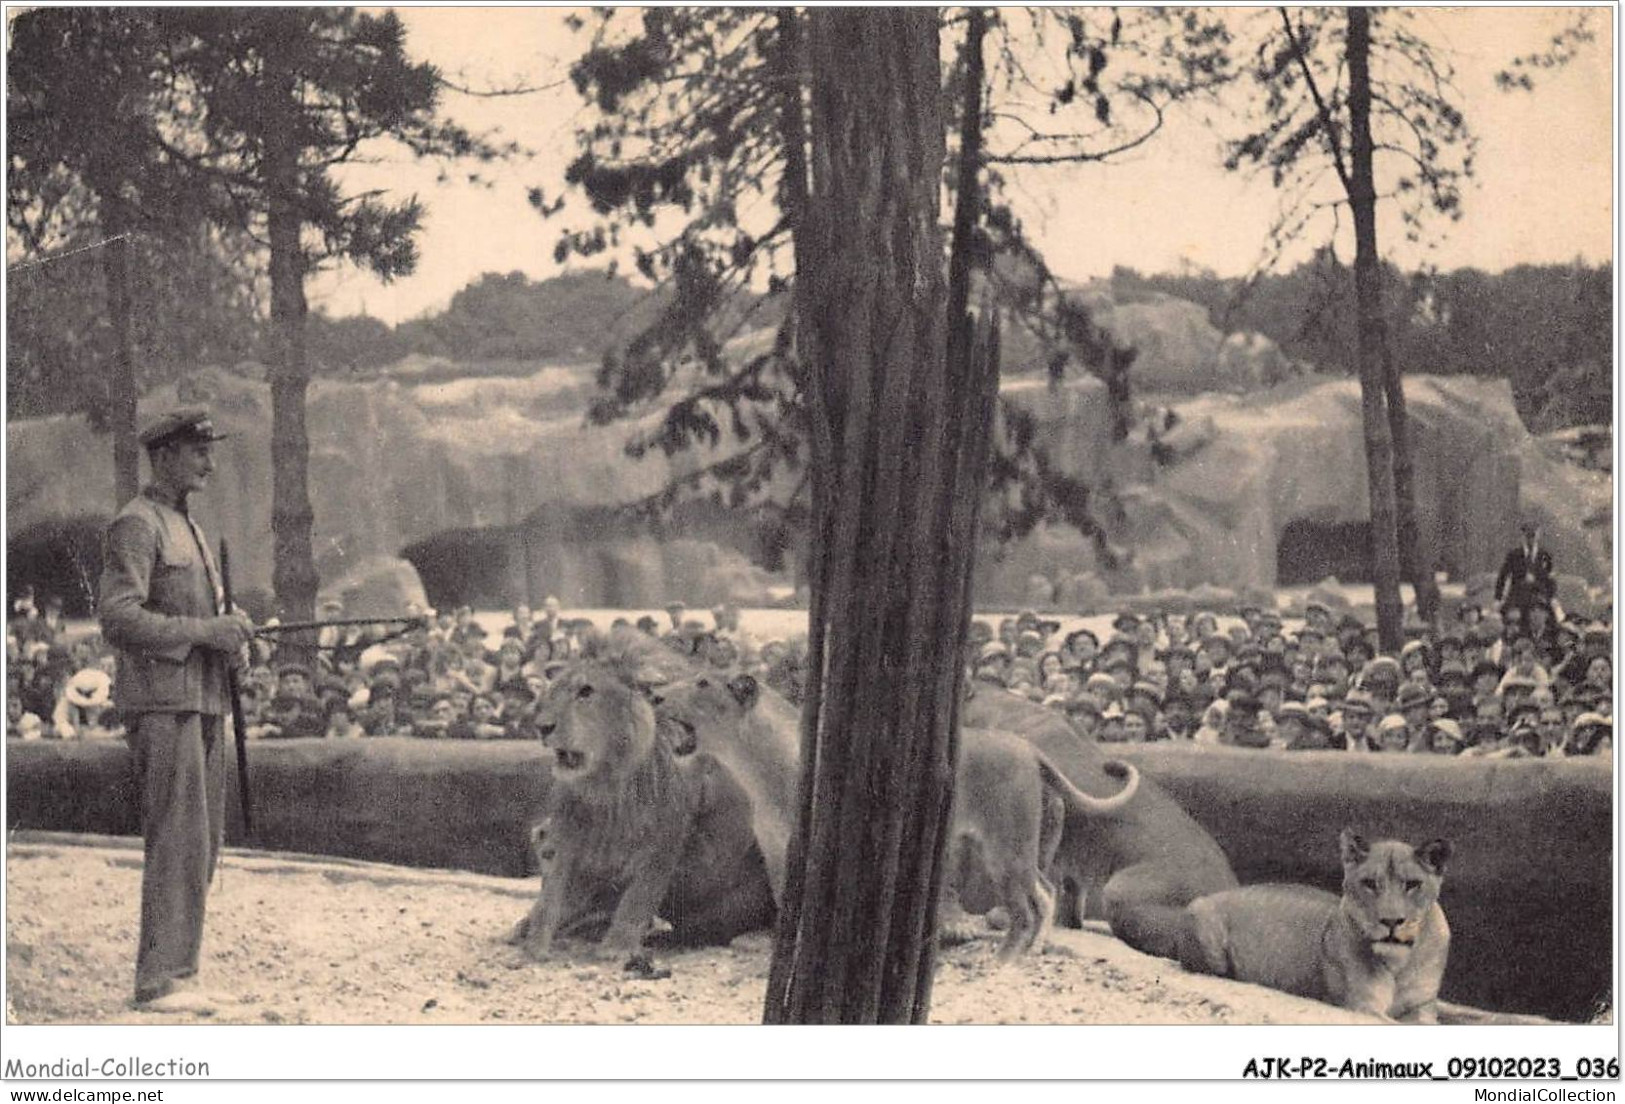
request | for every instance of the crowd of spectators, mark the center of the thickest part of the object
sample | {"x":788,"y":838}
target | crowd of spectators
{"x":57,"y":685}
{"x":1478,"y":685}
{"x":447,"y":678}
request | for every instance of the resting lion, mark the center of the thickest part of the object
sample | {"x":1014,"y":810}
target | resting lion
{"x":1008,"y":806}
{"x":634,"y":828}
{"x":1379,"y":948}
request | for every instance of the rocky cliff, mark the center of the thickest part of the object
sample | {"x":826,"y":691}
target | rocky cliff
{"x":1256,"y":484}
{"x":498,"y":492}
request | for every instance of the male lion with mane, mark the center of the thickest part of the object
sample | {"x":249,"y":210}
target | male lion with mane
{"x":633,"y":827}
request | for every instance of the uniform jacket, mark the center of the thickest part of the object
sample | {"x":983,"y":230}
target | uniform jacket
{"x":158,"y":585}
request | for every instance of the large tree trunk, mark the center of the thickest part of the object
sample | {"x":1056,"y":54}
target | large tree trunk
{"x":122,"y":391}
{"x":1368,"y":295}
{"x":900,"y":431}
{"x":1416,"y":561}
{"x":293,"y":571}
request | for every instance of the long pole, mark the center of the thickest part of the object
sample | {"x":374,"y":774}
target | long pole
{"x":237,"y":723}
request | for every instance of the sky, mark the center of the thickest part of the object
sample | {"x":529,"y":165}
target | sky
{"x":1543,"y":191}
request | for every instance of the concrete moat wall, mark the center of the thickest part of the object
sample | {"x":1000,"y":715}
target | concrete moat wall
{"x":1529,"y":889}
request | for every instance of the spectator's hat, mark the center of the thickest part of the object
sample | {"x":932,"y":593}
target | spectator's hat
{"x":1076,"y":633}
{"x":516,"y":688}
{"x":647,"y":624}
{"x":1112,"y":712}
{"x":1411,"y":695}
{"x":377,"y":658}
{"x":1084,"y":703}
{"x":30,"y":727}
{"x":1125,"y":622}
{"x":1357,"y":701}
{"x":1519,"y":710}
{"x":1241,"y":701}
{"x":1527,"y":682}
{"x":1316,"y":604}
{"x":1393,"y":722}
{"x":1117,"y":642}
{"x":332,"y":605}
{"x":91,"y":688}
{"x":993,"y":649}
{"x":1145,"y":690}
{"x":1117,"y":662}
{"x":1027,"y":619}
{"x":1487,"y":666}
{"x":1450,"y":730}
{"x":1382,"y":668}
{"x":189,"y":423}
{"x":384,"y":682}
{"x":1411,"y":647}
{"x":1292,"y":709}
{"x":283,"y":670}
{"x":1452,"y":670}
{"x":1591,"y":720}
{"x":1597,"y":634}
{"x":1101,"y":681}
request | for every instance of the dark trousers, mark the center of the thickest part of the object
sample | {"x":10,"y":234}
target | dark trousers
{"x":180,"y":769}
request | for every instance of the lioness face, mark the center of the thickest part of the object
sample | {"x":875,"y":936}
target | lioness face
{"x":706,"y":705}
{"x":1389,"y":889}
{"x":597,"y":725}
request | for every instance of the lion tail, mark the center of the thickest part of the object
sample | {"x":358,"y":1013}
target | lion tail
{"x":1079,"y":802}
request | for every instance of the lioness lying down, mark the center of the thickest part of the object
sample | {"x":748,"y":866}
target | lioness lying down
{"x":1379,"y":948}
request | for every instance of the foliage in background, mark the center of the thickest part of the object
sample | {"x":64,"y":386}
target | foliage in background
{"x":1547,"y":329}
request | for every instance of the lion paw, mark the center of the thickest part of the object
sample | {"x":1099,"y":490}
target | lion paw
{"x":956,"y":933}
{"x":642,"y":965}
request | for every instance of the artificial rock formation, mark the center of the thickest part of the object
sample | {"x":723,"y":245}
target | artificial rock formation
{"x":498,"y":491}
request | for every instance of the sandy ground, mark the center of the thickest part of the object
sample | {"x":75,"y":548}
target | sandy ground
{"x":299,"y":939}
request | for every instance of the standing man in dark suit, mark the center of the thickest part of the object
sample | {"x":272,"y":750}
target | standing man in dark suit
{"x":1525,"y":579}
{"x":161,"y":607}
